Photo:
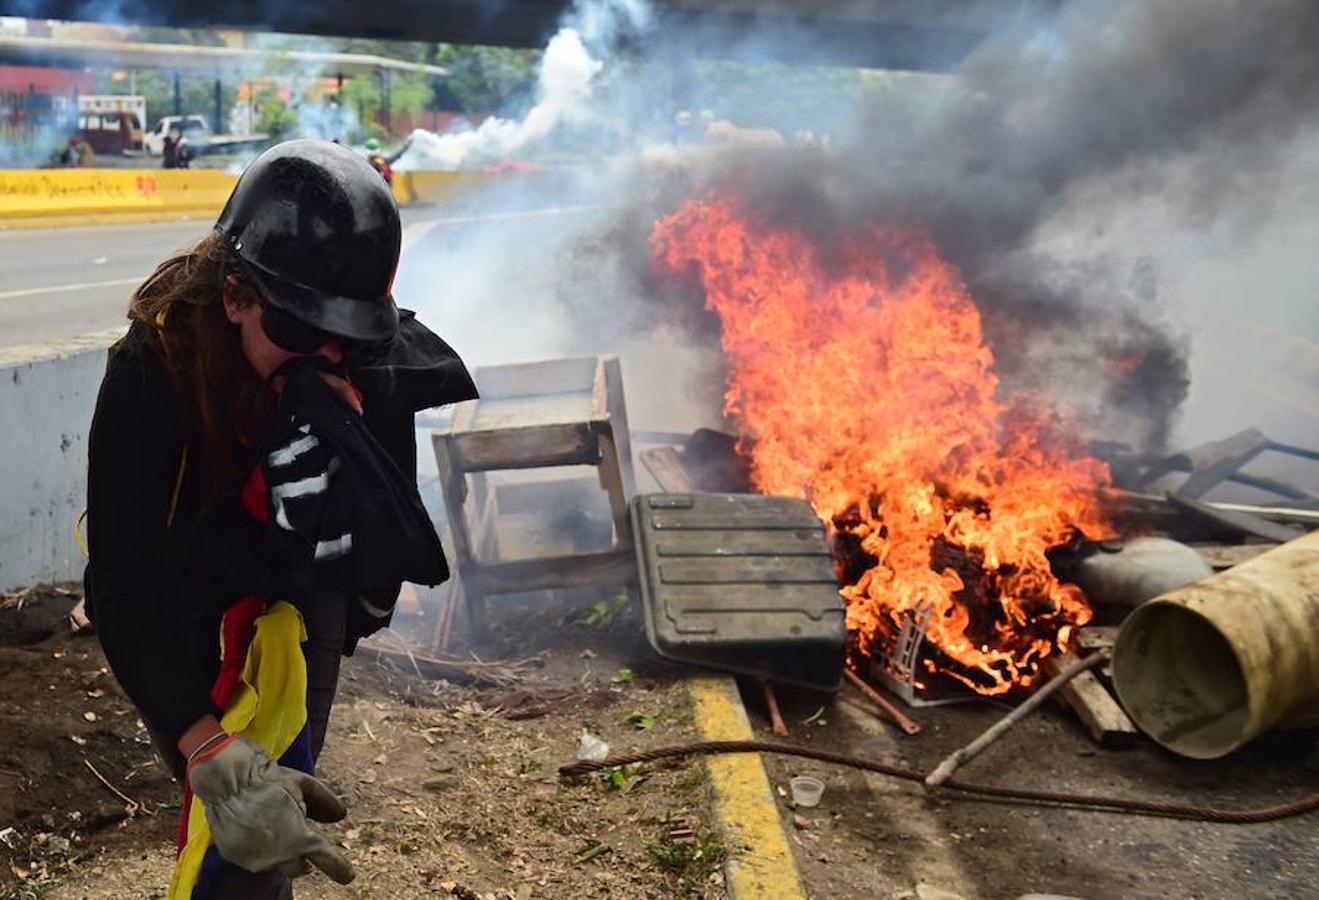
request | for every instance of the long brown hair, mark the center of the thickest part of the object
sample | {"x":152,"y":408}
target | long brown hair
{"x":180,"y":310}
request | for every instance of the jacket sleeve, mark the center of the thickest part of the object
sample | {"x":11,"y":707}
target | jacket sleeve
{"x":370,"y":611}
{"x":134,"y":458}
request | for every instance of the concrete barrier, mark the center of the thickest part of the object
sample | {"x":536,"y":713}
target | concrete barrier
{"x":47,"y":394}
{"x":31,"y":196}
{"x":413,"y":188}
{"x":37,"y":193}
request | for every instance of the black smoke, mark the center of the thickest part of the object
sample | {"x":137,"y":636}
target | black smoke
{"x":1200,"y":101}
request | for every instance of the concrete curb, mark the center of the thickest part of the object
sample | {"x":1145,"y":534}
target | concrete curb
{"x":47,"y":394}
{"x":760,"y":863}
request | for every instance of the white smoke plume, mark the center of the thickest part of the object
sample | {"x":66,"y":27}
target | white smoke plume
{"x":565,"y":92}
{"x":563,"y":95}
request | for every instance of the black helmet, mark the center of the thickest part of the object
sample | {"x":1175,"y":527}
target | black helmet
{"x":317,"y":226}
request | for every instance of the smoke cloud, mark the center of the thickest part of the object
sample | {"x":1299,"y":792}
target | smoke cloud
{"x":1083,"y":169}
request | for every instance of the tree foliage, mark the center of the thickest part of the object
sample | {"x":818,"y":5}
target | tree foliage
{"x":197,"y":93}
{"x":485,"y":79}
{"x":481,"y":80}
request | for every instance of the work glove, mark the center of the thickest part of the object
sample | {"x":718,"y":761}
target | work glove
{"x":298,"y":472}
{"x":258,"y":811}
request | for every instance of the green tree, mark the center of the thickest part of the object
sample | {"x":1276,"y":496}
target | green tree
{"x":200,"y":37}
{"x":196,"y":91}
{"x":273,"y":115}
{"x":485,"y":78}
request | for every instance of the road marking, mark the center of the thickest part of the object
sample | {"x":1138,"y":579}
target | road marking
{"x":760,"y":862}
{"x":61,"y":288}
{"x":411,"y":234}
{"x":417,"y":230}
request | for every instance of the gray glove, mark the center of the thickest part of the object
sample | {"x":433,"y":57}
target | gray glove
{"x":258,"y":811}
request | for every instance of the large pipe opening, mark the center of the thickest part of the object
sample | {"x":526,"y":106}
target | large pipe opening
{"x":1181,"y":682}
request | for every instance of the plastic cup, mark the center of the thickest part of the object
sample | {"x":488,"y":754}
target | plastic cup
{"x":806,"y":790}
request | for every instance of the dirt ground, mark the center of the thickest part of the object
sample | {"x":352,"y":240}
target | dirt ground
{"x":452,"y":788}
{"x":453,"y":792}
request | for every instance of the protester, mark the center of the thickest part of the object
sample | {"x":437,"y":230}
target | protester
{"x":251,"y":483}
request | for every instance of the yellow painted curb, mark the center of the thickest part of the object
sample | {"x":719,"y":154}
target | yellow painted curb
{"x":760,"y":863}
{"x":81,"y":220}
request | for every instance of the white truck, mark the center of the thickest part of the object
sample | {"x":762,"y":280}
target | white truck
{"x":198,"y":132}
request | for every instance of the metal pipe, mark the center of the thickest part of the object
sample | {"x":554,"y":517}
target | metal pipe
{"x":1207,"y":667}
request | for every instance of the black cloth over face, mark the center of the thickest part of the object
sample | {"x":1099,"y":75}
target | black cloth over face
{"x":368,"y":512}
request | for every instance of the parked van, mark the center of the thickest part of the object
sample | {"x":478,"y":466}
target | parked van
{"x":111,"y":132}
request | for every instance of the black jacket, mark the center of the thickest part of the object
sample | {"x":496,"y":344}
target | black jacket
{"x":156,"y":591}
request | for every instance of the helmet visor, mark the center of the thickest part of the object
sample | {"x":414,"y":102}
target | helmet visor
{"x":341,"y":317}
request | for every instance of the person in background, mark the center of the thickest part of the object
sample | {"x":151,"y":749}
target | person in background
{"x":176,"y":154}
{"x":78,"y":153}
{"x":252,"y":503}
{"x":379,"y":161}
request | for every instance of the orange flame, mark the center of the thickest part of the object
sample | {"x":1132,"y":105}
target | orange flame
{"x":863,"y":384}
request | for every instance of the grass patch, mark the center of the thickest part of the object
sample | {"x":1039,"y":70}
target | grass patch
{"x":692,"y":862}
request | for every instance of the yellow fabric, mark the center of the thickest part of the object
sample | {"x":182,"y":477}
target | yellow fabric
{"x":269,"y":708}
{"x":78,"y":535}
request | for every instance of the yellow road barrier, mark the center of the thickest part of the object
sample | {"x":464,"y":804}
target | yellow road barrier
{"x":33,"y":197}
{"x":36,"y":193}
{"x":420,"y":188}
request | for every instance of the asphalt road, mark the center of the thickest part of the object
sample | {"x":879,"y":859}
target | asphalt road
{"x":60,"y":283}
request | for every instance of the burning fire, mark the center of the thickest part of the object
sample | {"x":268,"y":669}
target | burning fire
{"x":862,"y":383}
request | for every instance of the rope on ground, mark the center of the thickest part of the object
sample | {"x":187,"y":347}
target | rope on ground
{"x":962,"y":789}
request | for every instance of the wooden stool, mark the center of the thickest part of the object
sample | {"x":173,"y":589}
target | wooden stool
{"x":560,"y":412}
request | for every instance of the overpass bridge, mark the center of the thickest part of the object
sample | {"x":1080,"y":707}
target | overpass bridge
{"x":898,"y":34}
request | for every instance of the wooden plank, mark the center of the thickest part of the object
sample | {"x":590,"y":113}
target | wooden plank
{"x":611,"y":479}
{"x":454,"y":488}
{"x":525,"y":412}
{"x":616,"y":409}
{"x":1243,"y":523}
{"x":608,"y":567}
{"x":1093,"y":705}
{"x":550,"y":376}
{"x":1214,"y":461}
{"x":1096,"y":637}
{"x":527,"y":448}
{"x":665,"y":465}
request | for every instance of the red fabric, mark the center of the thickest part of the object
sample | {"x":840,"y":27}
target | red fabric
{"x":185,"y":809}
{"x":255,"y":496}
{"x":238,"y":628}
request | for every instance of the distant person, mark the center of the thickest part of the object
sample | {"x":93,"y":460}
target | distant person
{"x":252,"y":503}
{"x":78,"y":154}
{"x":379,"y":161}
{"x":176,"y":152}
